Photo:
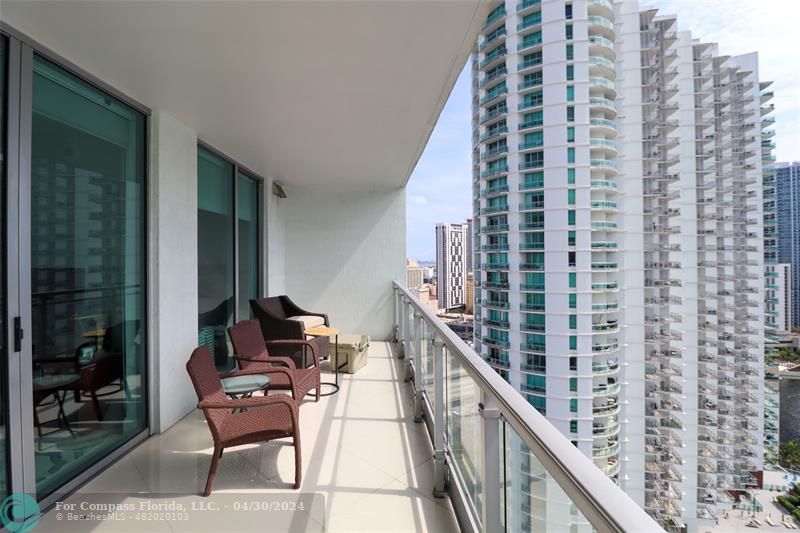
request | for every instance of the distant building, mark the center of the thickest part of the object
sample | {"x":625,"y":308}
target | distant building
{"x":787,"y":181}
{"x":425,"y":297}
{"x":415,"y":276}
{"x":778,"y":311}
{"x":470,"y":293}
{"x":451,"y":264}
{"x":470,"y":251}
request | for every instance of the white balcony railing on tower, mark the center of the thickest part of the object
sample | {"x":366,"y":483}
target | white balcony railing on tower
{"x":493,"y":451}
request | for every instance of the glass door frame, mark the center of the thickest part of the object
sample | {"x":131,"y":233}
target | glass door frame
{"x":238,"y":169}
{"x":19,"y":130}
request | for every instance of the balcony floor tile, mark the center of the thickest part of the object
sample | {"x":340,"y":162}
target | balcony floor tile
{"x":361,"y":450}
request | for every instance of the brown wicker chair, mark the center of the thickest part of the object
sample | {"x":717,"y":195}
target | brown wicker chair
{"x":281,"y":318}
{"x":250,"y":351}
{"x":267,"y":417}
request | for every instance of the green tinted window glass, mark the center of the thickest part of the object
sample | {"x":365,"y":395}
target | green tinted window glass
{"x":573,"y":321}
{"x":573,"y":342}
{"x":248,"y":243}
{"x":88,"y":274}
{"x":571,"y":196}
{"x":572,"y":279}
{"x":571,"y":176}
{"x":215,"y":253}
{"x":570,"y":155}
{"x":573,"y":301}
{"x":571,"y":217}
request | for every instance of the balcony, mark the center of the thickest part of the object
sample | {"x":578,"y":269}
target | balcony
{"x":389,"y":480}
{"x":353,"y":211}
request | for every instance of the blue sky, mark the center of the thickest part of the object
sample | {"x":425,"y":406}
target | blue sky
{"x":440,"y":186}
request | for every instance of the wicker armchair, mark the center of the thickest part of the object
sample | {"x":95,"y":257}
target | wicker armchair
{"x":280,"y":318}
{"x":266,"y":418}
{"x":250,"y":352}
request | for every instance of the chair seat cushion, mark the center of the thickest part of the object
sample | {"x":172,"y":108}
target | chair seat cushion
{"x":309,"y":321}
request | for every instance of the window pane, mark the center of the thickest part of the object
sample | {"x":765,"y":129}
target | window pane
{"x":87,"y":273}
{"x":4,"y":478}
{"x":248,"y":243}
{"x":215,"y":254}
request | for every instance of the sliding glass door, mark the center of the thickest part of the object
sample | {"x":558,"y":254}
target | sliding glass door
{"x":249,"y":250}
{"x":228,"y":249}
{"x":87,"y":272}
{"x":215,"y":259}
{"x":73,"y":387}
{"x":4,"y":351}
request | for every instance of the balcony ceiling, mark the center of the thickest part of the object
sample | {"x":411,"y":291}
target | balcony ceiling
{"x":305,"y":92}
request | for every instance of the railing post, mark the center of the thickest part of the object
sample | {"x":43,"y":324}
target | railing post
{"x":439,"y":456}
{"x":418,"y":378}
{"x":490,"y":436}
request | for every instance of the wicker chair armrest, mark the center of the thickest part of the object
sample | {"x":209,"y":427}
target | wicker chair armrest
{"x":252,"y":402}
{"x":285,"y":361}
{"x":297,"y":342}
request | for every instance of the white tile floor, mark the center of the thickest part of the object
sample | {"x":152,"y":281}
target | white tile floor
{"x":362,"y":453}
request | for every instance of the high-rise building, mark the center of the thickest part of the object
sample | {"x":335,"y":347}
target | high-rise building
{"x":787,"y":206}
{"x":451,"y":266}
{"x":469,"y":297}
{"x":414,"y":275}
{"x":470,"y":250}
{"x":619,"y":271}
{"x":778,"y":310}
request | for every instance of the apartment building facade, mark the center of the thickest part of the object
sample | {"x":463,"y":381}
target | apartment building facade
{"x":785,"y":214}
{"x":451,"y":264}
{"x":619,"y":271}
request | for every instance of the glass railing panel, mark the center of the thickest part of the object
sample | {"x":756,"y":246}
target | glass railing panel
{"x":463,"y":427}
{"x":427,"y":361}
{"x":534,"y":500}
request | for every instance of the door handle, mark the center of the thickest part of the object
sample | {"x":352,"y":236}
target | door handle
{"x":19,"y":334}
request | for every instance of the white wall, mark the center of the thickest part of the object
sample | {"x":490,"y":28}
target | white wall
{"x":343,"y":248}
{"x":172,"y":268}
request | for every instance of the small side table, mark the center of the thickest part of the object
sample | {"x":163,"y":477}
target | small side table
{"x":244,"y":386}
{"x":325,"y":331}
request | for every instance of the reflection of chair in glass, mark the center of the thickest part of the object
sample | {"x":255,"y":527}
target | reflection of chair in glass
{"x":266,"y":417}
{"x":212,"y":324}
{"x":251,"y":353}
{"x":107,"y":365}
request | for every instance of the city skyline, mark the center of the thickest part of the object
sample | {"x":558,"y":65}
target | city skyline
{"x":439,"y":188}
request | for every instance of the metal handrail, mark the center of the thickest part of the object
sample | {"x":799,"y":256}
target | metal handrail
{"x":600,"y":501}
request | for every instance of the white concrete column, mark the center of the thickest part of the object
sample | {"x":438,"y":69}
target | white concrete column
{"x":172,"y":269}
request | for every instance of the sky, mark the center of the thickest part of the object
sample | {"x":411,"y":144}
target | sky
{"x":440,"y":186}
